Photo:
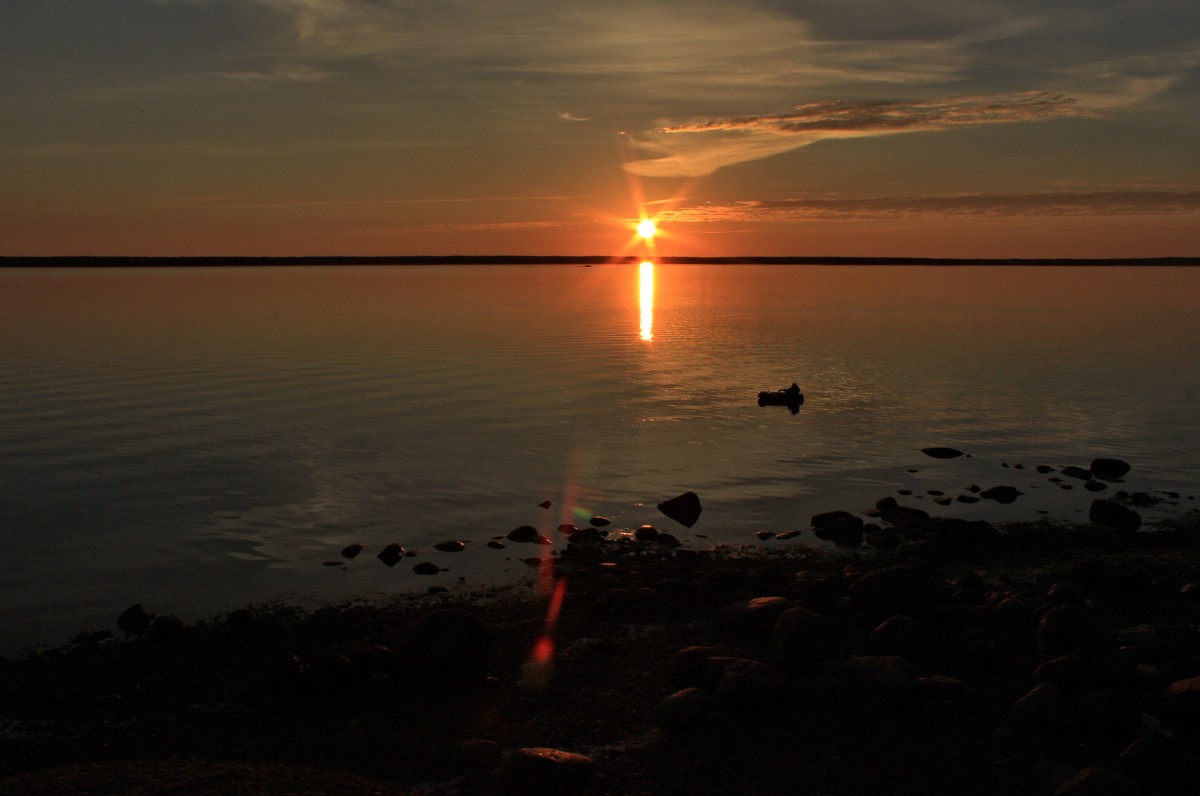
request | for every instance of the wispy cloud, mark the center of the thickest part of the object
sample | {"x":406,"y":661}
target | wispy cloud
{"x":1058,"y":203}
{"x":698,"y":148}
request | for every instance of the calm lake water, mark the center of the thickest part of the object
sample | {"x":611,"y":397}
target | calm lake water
{"x":200,"y":439}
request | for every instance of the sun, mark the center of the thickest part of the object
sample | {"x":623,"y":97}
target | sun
{"x":646,"y":229}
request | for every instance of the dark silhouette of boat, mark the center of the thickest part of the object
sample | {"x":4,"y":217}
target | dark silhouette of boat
{"x":791,"y":397}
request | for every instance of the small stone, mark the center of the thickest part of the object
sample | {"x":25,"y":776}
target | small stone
{"x":496,"y":544}
{"x":600,"y":522}
{"x":785,"y":535}
{"x":453,"y":546}
{"x":966,"y":499}
{"x":567,"y":528}
{"x":351,"y":550}
{"x":1077,"y":472}
{"x":391,"y":554}
{"x":586,"y":536}
{"x":1095,"y":486}
{"x":545,"y":504}
{"x":427,"y":568}
{"x":765,"y":535}
{"x":684,"y":509}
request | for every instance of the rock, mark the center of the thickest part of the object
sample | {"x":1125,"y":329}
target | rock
{"x":448,"y":642}
{"x":478,"y":753}
{"x":1096,"y":781}
{"x":945,"y":689}
{"x":541,"y":770}
{"x":835,"y":519}
{"x":450,"y":547}
{"x":684,"y":509}
{"x":1095,"y":486}
{"x":905,"y":518}
{"x":1113,"y":515}
{"x":885,"y":503}
{"x":753,"y":615}
{"x":391,"y":554}
{"x":720,"y":587}
{"x":1160,"y":766}
{"x":748,"y":685}
{"x":899,"y":635}
{"x":586,"y":536}
{"x":1077,"y":472}
{"x":1183,"y":699}
{"x":600,"y":522}
{"x":134,"y":620}
{"x":691,"y":663}
{"x":785,"y":535}
{"x":966,"y":498}
{"x":1065,"y":629}
{"x":884,"y":540}
{"x":567,"y":528}
{"x":523,"y":533}
{"x":803,"y":639}
{"x":646,"y":533}
{"x":878,"y":685}
{"x":1000,"y":494}
{"x":1109,"y":469}
{"x":165,"y":628}
{"x":352,"y":550}
{"x":1044,"y":706}
{"x":545,"y":504}
{"x":427,"y":568}
{"x":684,"y":709}
{"x":765,"y":535}
{"x":496,"y":544}
{"x":898,"y":589}
{"x":942,"y":453}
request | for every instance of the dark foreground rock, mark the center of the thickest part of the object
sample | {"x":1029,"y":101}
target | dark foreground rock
{"x":1037,"y":668}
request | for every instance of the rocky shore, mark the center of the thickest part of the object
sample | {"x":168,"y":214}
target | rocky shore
{"x":949,"y":656}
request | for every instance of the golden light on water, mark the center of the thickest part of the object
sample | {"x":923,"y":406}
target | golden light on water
{"x":646,"y":298}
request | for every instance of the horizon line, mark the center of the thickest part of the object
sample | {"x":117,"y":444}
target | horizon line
{"x":151,"y":261}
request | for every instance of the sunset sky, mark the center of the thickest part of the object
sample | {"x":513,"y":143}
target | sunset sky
{"x":941,"y":128}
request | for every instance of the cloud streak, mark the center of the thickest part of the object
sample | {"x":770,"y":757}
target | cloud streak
{"x":1052,"y":203}
{"x":699,"y":148}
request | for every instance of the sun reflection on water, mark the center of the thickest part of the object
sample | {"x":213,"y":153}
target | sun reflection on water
{"x":646,"y":298}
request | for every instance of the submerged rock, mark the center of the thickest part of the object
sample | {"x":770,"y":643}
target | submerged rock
{"x":453,"y":546}
{"x":351,"y":550}
{"x":942,"y":453}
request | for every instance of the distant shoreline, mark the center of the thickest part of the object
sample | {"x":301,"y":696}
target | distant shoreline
{"x":176,"y":262}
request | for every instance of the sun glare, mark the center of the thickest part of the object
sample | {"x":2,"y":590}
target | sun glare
{"x":646,"y":298}
{"x":646,"y":229}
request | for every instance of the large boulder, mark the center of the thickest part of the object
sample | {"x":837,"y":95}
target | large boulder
{"x":541,"y":770}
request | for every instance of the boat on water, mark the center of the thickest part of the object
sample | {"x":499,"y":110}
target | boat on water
{"x":790,"y":397}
